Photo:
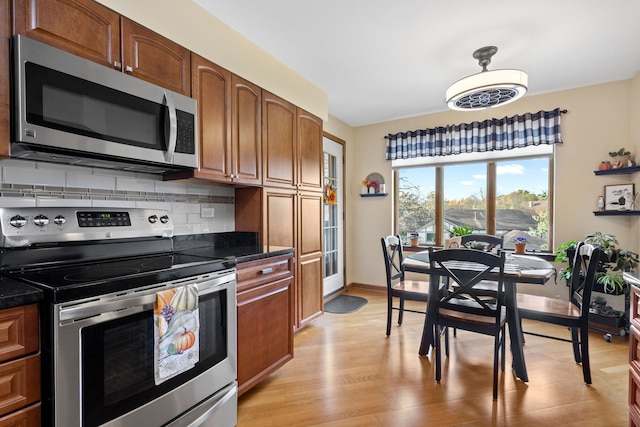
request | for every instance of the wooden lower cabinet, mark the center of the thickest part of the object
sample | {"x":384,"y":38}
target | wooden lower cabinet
{"x":19,"y":367}
{"x":265,"y":318}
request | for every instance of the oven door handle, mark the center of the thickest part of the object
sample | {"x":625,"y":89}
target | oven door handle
{"x":139,"y":301}
{"x":205,"y":409}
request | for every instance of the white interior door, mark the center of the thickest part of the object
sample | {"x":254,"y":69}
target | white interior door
{"x":332,"y":217}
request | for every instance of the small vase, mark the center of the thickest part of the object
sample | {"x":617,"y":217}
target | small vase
{"x":414,"y":241}
{"x":520,"y":248}
{"x":364,"y":190}
{"x":372,"y":190}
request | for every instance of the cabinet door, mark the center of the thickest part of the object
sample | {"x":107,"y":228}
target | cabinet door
{"x":5,"y":115}
{"x":265,"y":333}
{"x":278,"y":141}
{"x":279,"y":216}
{"x":82,"y":27}
{"x":246,"y":135}
{"x":151,"y":57}
{"x":309,"y":151}
{"x":309,"y":279}
{"x":212,"y":89}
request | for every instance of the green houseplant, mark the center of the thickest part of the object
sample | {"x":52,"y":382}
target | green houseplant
{"x":564,"y":254}
{"x":615,"y":262}
{"x":460,"y":230}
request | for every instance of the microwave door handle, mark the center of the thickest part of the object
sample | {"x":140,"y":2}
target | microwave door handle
{"x":173,"y":128}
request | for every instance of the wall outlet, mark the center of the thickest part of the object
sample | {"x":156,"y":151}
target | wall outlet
{"x":207,"y":212}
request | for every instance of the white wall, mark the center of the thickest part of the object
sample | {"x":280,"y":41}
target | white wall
{"x":600,"y":119}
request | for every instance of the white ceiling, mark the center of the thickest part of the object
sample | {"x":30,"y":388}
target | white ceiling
{"x":381,"y":60}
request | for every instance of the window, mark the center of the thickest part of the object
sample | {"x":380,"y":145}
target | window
{"x":507,"y":196}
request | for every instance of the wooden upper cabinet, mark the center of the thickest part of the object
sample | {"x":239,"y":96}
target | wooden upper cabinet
{"x":212,"y":90}
{"x":154,"y":58}
{"x":310,"y":160}
{"x":5,"y":98}
{"x":246,"y":131}
{"x":278,"y":141}
{"x":82,"y":27}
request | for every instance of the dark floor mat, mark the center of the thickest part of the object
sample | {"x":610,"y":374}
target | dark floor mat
{"x":345,"y":304}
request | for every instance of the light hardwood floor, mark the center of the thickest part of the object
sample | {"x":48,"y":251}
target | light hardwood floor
{"x":347,"y":373}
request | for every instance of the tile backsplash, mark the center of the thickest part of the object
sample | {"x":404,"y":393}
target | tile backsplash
{"x":29,"y":183}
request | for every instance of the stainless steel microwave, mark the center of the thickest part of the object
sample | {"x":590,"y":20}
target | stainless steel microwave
{"x":67,"y":109}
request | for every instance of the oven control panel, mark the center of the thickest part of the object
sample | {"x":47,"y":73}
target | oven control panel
{"x":27,"y":226}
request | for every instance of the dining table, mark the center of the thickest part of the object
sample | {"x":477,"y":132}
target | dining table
{"x":518,"y":269}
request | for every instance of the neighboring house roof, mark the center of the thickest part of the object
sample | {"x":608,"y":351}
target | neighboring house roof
{"x":506,"y":219}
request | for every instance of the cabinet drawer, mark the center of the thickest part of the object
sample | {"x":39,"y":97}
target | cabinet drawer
{"x":634,"y":306}
{"x":256,"y":273}
{"x":19,"y":332}
{"x":20,"y":381}
{"x":27,"y":417}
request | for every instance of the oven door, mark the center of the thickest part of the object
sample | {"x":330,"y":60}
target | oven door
{"x":104,"y":360}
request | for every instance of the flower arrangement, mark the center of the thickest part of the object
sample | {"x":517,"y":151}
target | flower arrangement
{"x":368,"y":184}
{"x":329,"y":196}
{"x":519,"y":240}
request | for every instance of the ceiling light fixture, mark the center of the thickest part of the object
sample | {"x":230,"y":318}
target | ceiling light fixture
{"x":486,"y":89}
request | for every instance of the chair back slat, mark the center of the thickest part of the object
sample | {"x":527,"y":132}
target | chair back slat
{"x":583,"y":276}
{"x":393,"y":258}
{"x":466,"y":269}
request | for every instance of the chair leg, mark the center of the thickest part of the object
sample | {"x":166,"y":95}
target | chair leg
{"x":576,"y":341}
{"x":389,"y":310}
{"x":496,"y":352}
{"x":503,"y":349}
{"x":436,"y":348}
{"x":445,"y":331}
{"x":584,"y":346}
{"x":401,"y":311}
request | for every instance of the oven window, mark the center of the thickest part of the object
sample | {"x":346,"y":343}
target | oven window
{"x":117,"y":360}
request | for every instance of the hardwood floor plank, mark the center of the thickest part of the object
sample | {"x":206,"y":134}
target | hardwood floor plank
{"x":347,"y":373}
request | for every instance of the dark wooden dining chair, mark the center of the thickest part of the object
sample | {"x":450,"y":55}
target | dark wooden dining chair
{"x":489,"y":241}
{"x":397,"y":286}
{"x":574,"y":313}
{"x":466,"y":307}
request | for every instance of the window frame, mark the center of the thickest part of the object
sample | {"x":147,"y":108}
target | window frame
{"x":491,"y":189}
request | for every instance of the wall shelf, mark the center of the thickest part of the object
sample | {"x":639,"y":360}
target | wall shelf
{"x":616,"y":213}
{"x":625,"y":171}
{"x":374,"y":195}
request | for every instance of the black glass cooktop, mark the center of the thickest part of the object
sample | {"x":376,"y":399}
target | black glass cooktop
{"x":70,"y":282}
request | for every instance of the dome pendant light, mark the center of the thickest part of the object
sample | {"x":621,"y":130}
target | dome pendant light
{"x":486,"y":89}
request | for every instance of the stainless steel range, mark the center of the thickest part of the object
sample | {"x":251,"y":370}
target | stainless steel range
{"x":101,"y":271}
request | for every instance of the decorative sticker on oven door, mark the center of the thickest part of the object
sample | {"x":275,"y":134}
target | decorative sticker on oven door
{"x":176,"y":331}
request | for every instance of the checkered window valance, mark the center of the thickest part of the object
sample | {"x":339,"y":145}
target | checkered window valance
{"x":507,"y":133}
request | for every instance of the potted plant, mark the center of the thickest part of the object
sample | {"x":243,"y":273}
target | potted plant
{"x":620,"y":158}
{"x":414,"y":238}
{"x":564,"y":254}
{"x":461,"y":230}
{"x":520,"y":243}
{"x":613,"y":264}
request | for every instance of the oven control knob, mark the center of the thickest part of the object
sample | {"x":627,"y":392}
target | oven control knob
{"x":164,"y":219}
{"x":40,"y":220}
{"x":59,"y":220}
{"x":153,"y":219}
{"x":18,"y":221}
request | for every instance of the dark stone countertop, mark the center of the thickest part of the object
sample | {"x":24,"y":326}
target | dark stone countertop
{"x":14,"y":293}
{"x":239,"y":245}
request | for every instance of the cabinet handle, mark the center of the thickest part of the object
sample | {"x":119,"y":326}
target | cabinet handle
{"x":117,"y":65}
{"x":128,"y":69}
{"x":266,"y":271}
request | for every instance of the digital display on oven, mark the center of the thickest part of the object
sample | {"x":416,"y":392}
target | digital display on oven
{"x":103,"y":219}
